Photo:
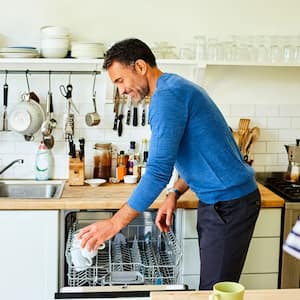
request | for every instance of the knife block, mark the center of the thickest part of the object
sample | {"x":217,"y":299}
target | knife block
{"x":76,"y":170}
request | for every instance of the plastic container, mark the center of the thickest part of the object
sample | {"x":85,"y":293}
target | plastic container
{"x":102,"y":161}
{"x":44,"y":163}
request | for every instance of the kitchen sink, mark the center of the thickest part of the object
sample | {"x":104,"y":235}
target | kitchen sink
{"x":31,"y":189}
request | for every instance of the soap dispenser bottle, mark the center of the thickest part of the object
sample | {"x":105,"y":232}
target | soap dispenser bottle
{"x":44,"y":163}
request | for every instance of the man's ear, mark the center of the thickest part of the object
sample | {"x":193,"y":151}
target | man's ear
{"x":140,"y":66}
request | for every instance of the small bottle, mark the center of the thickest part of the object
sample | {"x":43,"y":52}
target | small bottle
{"x":121,"y":166}
{"x":44,"y":163}
{"x":131,"y":159}
{"x":143,"y":167}
{"x":144,"y":148}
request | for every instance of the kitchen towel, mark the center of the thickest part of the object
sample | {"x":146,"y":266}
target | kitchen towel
{"x":292,"y":243}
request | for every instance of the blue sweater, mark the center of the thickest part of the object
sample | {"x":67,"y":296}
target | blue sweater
{"x":189,"y":131}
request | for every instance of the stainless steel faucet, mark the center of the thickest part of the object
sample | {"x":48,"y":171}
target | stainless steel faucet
{"x":12,"y":163}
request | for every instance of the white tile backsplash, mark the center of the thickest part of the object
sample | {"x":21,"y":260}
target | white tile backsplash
{"x":266,"y":110}
{"x":295,"y":122}
{"x":262,"y":94}
{"x":260,"y":147}
{"x":275,"y":122}
{"x":243,"y":110}
{"x":291,"y":110}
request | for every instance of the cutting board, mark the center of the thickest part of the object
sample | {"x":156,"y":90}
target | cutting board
{"x":284,"y":294}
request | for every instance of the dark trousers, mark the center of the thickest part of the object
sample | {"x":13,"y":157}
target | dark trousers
{"x":225,"y":230}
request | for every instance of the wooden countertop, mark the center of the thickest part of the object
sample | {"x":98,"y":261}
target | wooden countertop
{"x":112,"y":196}
{"x":283,"y":294}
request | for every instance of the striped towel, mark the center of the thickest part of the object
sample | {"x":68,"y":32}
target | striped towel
{"x":292,"y":243}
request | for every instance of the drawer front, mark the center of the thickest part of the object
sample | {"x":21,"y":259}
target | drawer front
{"x":192,"y":281}
{"x":263,"y":256}
{"x":191,"y":259}
{"x":268,"y":223}
{"x":259,"y":281}
{"x":189,"y":224}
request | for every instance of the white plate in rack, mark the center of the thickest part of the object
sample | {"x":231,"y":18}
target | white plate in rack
{"x":18,"y":55}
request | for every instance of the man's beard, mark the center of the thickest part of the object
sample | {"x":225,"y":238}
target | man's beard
{"x":142,"y":93}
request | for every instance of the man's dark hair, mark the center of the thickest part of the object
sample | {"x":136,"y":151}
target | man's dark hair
{"x":127,"y":52}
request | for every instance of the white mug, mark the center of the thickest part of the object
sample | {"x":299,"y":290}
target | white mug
{"x":81,"y":258}
{"x":80,"y":262}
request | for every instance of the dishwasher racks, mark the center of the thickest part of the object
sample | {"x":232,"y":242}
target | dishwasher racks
{"x":139,"y":255}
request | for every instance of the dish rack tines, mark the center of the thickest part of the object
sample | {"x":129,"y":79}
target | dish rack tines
{"x":140,"y":255}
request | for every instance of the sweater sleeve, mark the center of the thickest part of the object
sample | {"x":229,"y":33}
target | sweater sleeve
{"x":168,"y":117}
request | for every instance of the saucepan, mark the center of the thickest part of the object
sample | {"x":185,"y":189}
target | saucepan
{"x":93,"y":118}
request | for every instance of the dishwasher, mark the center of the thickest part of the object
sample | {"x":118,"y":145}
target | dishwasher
{"x":138,"y":260}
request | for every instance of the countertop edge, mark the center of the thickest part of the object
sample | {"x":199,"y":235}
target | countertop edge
{"x":85,"y":197}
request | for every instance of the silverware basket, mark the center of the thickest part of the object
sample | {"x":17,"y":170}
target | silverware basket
{"x":140,"y":254}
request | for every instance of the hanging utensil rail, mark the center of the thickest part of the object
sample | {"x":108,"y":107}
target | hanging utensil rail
{"x":52,"y":72}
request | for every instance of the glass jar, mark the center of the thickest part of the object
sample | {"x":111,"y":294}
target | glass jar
{"x":102,"y":161}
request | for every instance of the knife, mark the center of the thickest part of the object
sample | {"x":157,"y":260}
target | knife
{"x":135,"y":115}
{"x":74,"y":151}
{"x":143,"y":123}
{"x":116,"y":108}
{"x":70,"y":145}
{"x":120,"y":117}
{"x":129,"y":111}
{"x":5,"y":96}
{"x":81,"y":146}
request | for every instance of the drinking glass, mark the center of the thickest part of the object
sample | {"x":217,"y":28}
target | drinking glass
{"x":227,"y":47}
{"x":200,"y":47}
{"x":212,"y":49}
{"x":297,"y":49}
{"x":288,"y":49}
{"x":275,"y":49}
{"x":262,"y":48}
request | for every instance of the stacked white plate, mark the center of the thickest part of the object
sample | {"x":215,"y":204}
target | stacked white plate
{"x":19,"y":52}
{"x":55,"y":41}
{"x":87,"y":50}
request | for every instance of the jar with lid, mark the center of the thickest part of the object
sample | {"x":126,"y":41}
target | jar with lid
{"x":102,"y":160}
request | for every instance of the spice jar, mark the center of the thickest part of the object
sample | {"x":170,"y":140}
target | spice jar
{"x":102,"y":161}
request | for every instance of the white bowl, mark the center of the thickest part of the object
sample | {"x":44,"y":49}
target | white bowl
{"x":87,"y":50}
{"x":130,"y":179}
{"x":54,"y":52}
{"x":95,"y":181}
{"x":54,"y":31}
{"x":55,"y":43}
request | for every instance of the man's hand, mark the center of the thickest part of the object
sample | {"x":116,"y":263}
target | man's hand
{"x":164,"y":217}
{"x":97,"y":233}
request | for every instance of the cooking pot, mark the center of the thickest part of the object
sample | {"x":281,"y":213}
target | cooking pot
{"x":26,"y":117}
{"x":293,"y":151}
{"x":293,"y":171}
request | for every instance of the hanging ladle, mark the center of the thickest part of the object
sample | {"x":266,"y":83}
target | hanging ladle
{"x":93,"y":118}
{"x":52,"y":120}
{"x":47,"y":127}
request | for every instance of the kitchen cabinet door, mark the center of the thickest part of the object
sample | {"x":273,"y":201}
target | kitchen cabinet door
{"x":28,"y":255}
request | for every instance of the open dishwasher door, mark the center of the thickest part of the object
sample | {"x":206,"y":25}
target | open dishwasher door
{"x":139,"y":259}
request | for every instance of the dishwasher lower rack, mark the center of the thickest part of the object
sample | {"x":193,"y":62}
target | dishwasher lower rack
{"x":131,"y":259}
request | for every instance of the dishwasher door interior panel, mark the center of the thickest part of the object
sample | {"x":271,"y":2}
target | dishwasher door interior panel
{"x":138,"y":256}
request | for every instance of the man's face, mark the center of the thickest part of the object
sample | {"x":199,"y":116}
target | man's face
{"x":130,"y":80}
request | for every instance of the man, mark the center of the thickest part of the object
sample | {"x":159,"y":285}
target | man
{"x":188,"y":131}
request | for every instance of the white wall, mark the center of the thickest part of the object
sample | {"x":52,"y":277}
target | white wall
{"x":156,"y":20}
{"x":269,"y":96}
